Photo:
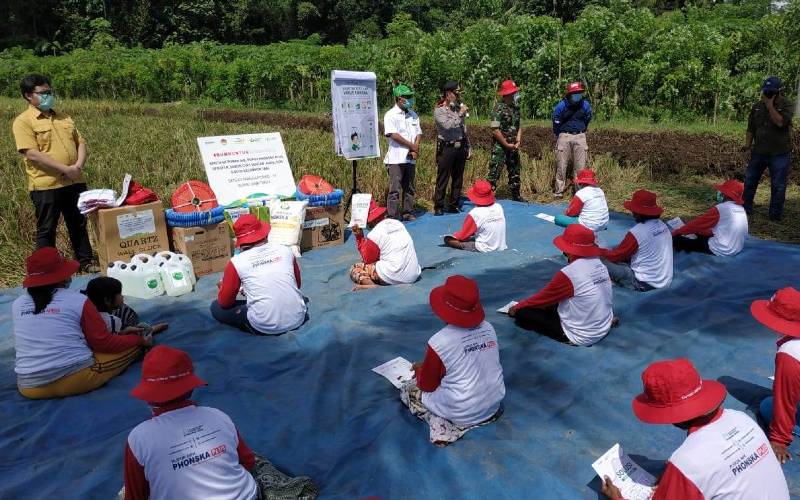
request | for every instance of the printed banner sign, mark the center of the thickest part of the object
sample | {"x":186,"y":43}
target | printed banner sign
{"x":240,"y":165}
{"x":355,"y":114}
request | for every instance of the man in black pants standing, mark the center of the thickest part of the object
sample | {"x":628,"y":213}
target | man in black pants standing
{"x":54,"y":153}
{"x":452,"y":148}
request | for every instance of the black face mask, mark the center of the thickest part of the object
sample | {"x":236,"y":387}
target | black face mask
{"x":770,"y":94}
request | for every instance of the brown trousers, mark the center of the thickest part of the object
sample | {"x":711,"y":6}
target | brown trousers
{"x":569,"y":147}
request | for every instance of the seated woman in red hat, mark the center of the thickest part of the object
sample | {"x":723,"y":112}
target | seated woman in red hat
{"x":459,"y":385}
{"x":62,"y":345}
{"x":269,"y":277}
{"x":484,"y":228}
{"x":722,"y":229}
{"x":781,"y":313}
{"x":725,"y":455}
{"x":643,"y":260}
{"x":576,"y":306}
{"x":588,"y":207}
{"x":388,"y":253}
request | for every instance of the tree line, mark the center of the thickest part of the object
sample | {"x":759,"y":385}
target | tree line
{"x":702,"y":59}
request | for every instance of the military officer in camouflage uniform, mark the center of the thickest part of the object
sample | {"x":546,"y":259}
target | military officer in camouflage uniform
{"x":506,"y":138}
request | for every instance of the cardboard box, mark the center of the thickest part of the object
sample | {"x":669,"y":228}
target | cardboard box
{"x":323,"y":227}
{"x":209,"y":247}
{"x":120,"y":233}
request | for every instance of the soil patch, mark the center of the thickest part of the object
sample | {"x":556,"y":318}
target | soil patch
{"x":665,"y":153}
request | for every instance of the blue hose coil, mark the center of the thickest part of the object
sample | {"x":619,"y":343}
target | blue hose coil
{"x":321,"y":200}
{"x":192,"y":219}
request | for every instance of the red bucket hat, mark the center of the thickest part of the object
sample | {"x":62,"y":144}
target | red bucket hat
{"x":643,"y":202}
{"x":481,"y":193}
{"x":674,"y":393}
{"x":733,"y":189}
{"x":574,"y":88}
{"x":578,"y":240}
{"x":458,"y":302}
{"x":46,"y":266}
{"x":167,"y":374}
{"x":508,"y":87}
{"x":586,"y":176}
{"x":375,"y":211}
{"x":781,"y":312}
{"x":249,"y":229}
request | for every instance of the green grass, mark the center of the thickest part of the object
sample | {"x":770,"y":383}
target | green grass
{"x":161,"y":152}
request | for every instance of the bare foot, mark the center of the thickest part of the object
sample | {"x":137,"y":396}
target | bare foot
{"x":363,"y":287}
{"x":615,"y":322}
{"x":160,"y":327}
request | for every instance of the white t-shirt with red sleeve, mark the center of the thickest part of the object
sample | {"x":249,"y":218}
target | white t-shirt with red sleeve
{"x":652,"y":261}
{"x":191,"y":453}
{"x":472,"y":387}
{"x":725,"y":224}
{"x":586,"y":316}
{"x":274,"y":302}
{"x":730,"y":458}
{"x":594,"y":212}
{"x":488,"y":225}
{"x":398,"y":262}
{"x":785,"y":391}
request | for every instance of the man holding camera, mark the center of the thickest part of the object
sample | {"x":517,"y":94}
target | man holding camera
{"x":452,"y":148}
{"x":769,"y":140}
{"x":506,"y":138}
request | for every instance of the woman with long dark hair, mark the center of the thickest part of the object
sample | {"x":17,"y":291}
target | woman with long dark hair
{"x":62,"y":345}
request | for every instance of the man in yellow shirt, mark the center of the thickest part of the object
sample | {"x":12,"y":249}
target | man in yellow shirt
{"x":53,"y":154}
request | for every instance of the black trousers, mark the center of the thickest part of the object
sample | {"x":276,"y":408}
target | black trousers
{"x":450,"y":164}
{"x":681,"y":243}
{"x":544,"y":321}
{"x":50,"y":205}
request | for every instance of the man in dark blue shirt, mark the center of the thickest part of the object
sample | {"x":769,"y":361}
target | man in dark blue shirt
{"x":571,"y":118}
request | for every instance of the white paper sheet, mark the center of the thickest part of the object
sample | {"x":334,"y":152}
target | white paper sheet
{"x":359,"y":209}
{"x":396,"y":371}
{"x":634,"y":482}
{"x":505,"y":308}
{"x":677,"y":223}
{"x":548,"y":218}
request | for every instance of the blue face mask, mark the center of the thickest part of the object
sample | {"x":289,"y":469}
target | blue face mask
{"x":516,"y":97}
{"x":576,"y":98}
{"x":720,"y":197}
{"x":409,"y":102}
{"x":45,"y":102}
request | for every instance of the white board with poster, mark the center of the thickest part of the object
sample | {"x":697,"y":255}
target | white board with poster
{"x":355,"y":114}
{"x":240,"y":165}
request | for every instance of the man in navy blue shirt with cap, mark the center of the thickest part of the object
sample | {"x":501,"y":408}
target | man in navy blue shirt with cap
{"x":769,"y":140}
{"x":571,"y":118}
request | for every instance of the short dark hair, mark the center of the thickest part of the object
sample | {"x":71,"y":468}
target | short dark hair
{"x":102,"y":289}
{"x":354,"y":134}
{"x":30,"y":82}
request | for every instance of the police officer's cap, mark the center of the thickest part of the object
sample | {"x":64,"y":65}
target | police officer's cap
{"x":450,"y":85}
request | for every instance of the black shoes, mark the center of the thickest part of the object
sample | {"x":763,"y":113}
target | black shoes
{"x":438,"y":211}
{"x":453,"y":210}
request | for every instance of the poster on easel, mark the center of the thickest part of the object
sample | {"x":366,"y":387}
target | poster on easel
{"x":355,"y":114}
{"x":240,"y":165}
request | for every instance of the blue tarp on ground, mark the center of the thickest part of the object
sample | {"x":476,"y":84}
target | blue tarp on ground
{"x":309,"y":402}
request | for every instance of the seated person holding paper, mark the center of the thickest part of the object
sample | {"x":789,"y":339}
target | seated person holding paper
{"x":268,"y":275}
{"x":781,"y":313}
{"x":725,"y":455}
{"x":643,"y":261}
{"x":576,"y":306}
{"x":722,"y":229}
{"x":588,"y":207}
{"x":459,"y":385}
{"x":387,"y":251}
{"x":484,"y":228}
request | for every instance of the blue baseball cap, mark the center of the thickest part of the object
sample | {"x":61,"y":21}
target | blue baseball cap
{"x":772,"y":83}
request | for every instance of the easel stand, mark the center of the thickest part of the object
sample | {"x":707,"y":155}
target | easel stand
{"x":354,"y":189}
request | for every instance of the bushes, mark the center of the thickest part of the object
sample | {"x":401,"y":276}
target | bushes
{"x":701,"y":62}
